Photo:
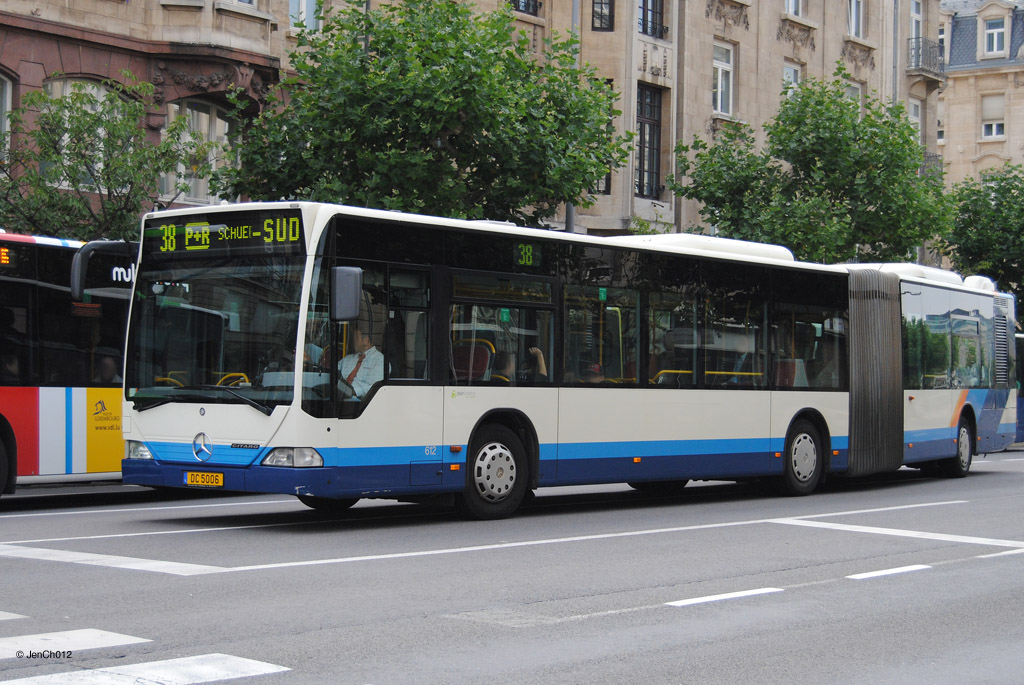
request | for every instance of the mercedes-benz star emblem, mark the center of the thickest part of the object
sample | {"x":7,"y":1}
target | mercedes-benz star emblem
{"x":202,"y":448}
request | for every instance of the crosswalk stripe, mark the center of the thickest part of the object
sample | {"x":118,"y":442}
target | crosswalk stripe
{"x":192,"y":670}
{"x":88,"y":558}
{"x":87,"y":638}
{"x":5,"y":616}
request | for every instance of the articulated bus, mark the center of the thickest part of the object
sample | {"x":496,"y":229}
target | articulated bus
{"x":337,"y":353}
{"x":60,"y":363}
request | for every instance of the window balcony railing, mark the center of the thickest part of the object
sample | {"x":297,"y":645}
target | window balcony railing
{"x":652,"y":28}
{"x":925,"y":56}
{"x":531,"y":7}
{"x":932,"y":164}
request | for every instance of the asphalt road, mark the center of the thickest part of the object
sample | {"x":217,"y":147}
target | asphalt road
{"x":900,"y":579}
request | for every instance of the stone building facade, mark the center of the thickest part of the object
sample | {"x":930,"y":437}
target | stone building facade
{"x":981,"y":108}
{"x":685,"y":67}
{"x":682,"y":66}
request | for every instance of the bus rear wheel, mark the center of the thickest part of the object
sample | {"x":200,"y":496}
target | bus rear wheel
{"x":960,"y":465}
{"x":328,"y":505}
{"x":496,"y":475}
{"x":804,"y":459}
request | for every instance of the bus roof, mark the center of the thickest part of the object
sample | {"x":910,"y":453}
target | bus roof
{"x":673,"y":243}
{"x":40,"y":240}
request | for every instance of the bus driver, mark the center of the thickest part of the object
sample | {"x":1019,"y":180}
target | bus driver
{"x":358,"y":371}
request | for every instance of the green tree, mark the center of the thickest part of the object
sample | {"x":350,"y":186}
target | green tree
{"x":988,"y":229}
{"x":80,"y":165}
{"x":429,"y":106}
{"x":835,"y":181}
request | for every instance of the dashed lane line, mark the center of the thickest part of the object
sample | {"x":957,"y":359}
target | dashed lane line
{"x":888,"y":572}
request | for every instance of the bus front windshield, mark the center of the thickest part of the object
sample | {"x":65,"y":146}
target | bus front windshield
{"x":214,"y":329}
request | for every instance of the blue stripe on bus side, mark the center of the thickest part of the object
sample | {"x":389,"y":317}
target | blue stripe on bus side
{"x":549,"y":452}
{"x":69,"y":432}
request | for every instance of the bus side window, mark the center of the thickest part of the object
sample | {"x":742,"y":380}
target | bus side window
{"x":408,"y":324}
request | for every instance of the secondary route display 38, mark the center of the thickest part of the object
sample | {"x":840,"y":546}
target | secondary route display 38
{"x":337,"y":353}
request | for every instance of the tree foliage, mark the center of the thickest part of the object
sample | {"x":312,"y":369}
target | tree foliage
{"x":80,"y":165}
{"x":429,"y":106}
{"x":836,"y":181}
{"x":988,"y":230}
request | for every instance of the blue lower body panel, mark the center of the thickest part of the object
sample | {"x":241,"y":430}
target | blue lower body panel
{"x":357,"y":481}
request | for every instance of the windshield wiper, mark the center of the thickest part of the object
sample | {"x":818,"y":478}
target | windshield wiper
{"x":184,"y":394}
{"x":234,"y":393}
{"x":144,"y":403}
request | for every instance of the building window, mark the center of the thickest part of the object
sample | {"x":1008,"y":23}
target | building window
{"x":721,"y":83}
{"x":604,"y":15}
{"x":209,"y":123}
{"x":5,"y":108}
{"x":795,"y":7}
{"x":302,"y":14}
{"x":531,"y":7}
{"x":916,"y":19}
{"x":652,"y":18}
{"x":856,"y":20}
{"x":992,"y":112}
{"x":942,"y":41}
{"x":914,"y":110}
{"x":59,"y":88}
{"x":940,"y":131}
{"x":995,"y":36}
{"x":648,"y":149}
{"x":791,"y":75}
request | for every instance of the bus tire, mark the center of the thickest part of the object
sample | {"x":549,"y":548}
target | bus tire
{"x":327,"y":505}
{"x":960,"y":465}
{"x":497,"y":475}
{"x":804,"y":459}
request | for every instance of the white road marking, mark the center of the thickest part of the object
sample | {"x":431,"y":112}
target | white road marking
{"x":11,"y":548}
{"x":172,"y":567}
{"x":727,"y":595}
{"x":921,"y":535}
{"x":1000,"y":554}
{"x":290,"y":500}
{"x":887,"y":572}
{"x":180,"y":531}
{"x":900,"y":507}
{"x":73,"y":640}
{"x":191,"y":670}
{"x":5,"y":616}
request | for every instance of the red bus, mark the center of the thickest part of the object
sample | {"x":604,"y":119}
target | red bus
{"x":61,"y":362}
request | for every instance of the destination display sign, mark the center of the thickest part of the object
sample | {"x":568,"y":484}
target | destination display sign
{"x":278,"y":232}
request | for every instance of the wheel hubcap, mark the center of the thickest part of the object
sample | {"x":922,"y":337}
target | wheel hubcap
{"x":495,"y":472}
{"x":964,"y":445}
{"x":804,"y":457}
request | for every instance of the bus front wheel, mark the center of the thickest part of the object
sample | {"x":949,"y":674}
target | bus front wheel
{"x":958,"y":466}
{"x":496,"y":478}
{"x":804,"y":459}
{"x":327,"y":505}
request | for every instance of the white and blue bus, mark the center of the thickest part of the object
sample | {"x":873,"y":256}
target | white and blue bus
{"x":497,"y":360}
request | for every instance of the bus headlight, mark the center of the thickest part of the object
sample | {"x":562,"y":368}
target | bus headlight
{"x":297,"y":457}
{"x":133,"y":449}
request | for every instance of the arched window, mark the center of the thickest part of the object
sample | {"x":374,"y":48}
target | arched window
{"x":5,"y":105}
{"x":211,"y":124}
{"x":91,"y":147}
